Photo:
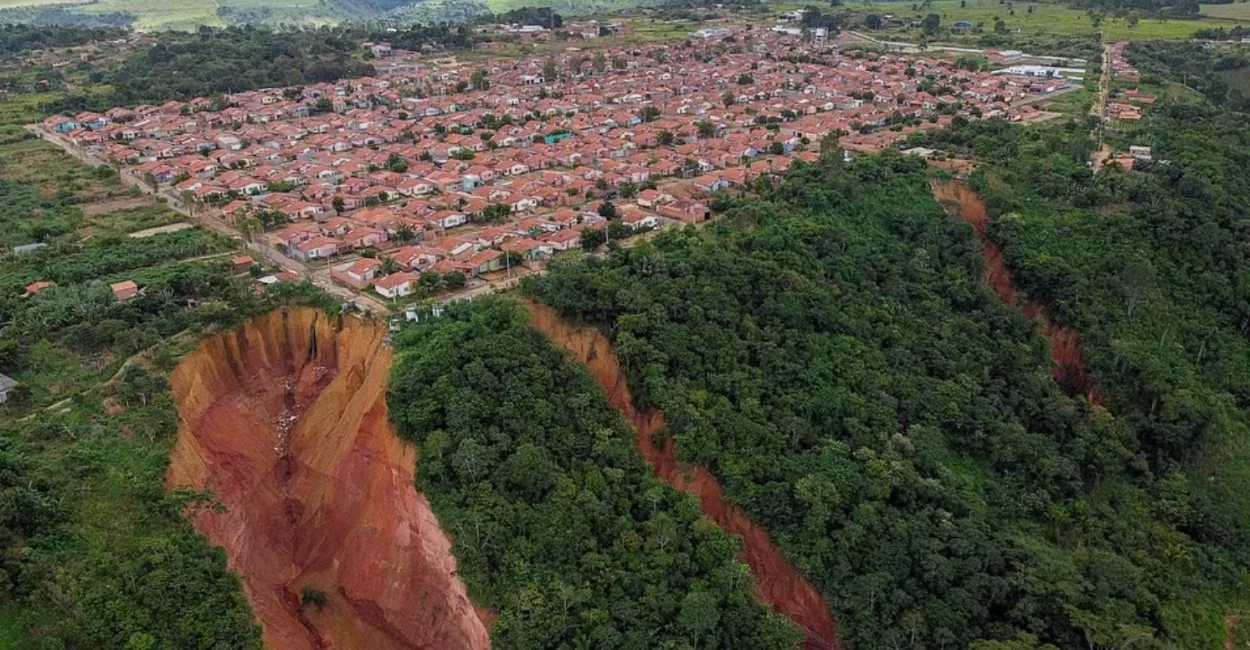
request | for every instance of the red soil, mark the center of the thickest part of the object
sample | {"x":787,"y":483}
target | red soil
{"x":285,"y":421}
{"x":778,"y":584}
{"x":1065,"y":349}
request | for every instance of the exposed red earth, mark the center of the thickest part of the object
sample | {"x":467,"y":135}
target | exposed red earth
{"x":285,"y":421}
{"x":1065,"y":345}
{"x":779,"y":585}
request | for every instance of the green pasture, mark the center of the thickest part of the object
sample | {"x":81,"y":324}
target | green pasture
{"x":1049,"y":18}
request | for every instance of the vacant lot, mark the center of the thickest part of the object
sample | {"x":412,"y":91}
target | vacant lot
{"x":136,"y":219}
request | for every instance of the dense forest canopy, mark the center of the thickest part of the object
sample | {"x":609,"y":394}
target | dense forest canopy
{"x":558,"y":523}
{"x":1204,"y":69}
{"x":229,"y":60}
{"x":16,"y":39}
{"x":545,"y":16}
{"x":1173,"y":8}
{"x":213,"y":62}
{"x":830,"y":353}
{"x":1152,"y":266}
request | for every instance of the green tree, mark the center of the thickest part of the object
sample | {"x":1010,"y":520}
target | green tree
{"x":607,"y":210}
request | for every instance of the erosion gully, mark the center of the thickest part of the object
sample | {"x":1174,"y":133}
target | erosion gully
{"x":962,"y":202}
{"x":778,"y":583}
{"x":284,"y":420}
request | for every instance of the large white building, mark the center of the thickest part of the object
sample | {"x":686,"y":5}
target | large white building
{"x":1075,"y":74}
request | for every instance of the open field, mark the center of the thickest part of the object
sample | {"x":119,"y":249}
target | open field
{"x":1075,"y":104}
{"x":1238,"y":11}
{"x":173,"y":14}
{"x":1046,"y":17}
{"x":1051,"y":19}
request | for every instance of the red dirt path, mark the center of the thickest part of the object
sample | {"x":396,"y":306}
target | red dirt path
{"x":962,"y":202}
{"x":285,"y":421}
{"x":778,"y":584}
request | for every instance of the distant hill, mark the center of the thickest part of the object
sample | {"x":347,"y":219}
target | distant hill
{"x":190,"y":14}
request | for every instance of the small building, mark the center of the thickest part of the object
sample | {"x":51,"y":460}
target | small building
{"x":126,"y":290}
{"x":961,"y":27}
{"x":242,"y":263}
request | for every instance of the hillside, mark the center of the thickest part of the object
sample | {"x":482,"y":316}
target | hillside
{"x":187,"y":15}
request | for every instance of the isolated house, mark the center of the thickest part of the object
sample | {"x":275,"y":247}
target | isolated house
{"x":125,"y":290}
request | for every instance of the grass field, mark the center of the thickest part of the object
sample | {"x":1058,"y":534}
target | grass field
{"x":173,"y":14}
{"x":1046,"y":18}
{"x":1053,"y":19}
{"x":1236,"y":12}
{"x":1075,"y":104}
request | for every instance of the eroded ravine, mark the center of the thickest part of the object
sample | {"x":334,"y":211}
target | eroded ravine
{"x":962,"y":202}
{"x":779,"y":584}
{"x":285,"y":421}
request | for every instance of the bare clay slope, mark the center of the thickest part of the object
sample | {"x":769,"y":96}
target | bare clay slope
{"x":285,"y":421}
{"x":779,"y":584}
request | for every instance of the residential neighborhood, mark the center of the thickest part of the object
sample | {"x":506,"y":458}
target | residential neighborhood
{"x":486,"y":171}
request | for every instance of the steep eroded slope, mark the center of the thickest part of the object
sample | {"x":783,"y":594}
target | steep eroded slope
{"x":285,"y":421}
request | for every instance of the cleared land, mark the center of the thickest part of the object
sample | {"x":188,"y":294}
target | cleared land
{"x":1051,"y":19}
{"x":1238,"y":12}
